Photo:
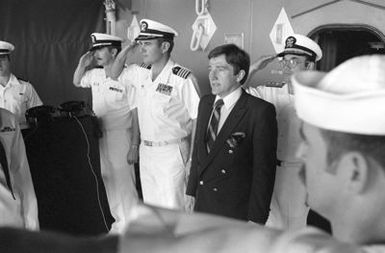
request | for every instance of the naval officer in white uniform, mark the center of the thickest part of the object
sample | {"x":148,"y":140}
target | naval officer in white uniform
{"x":167,"y":96}
{"x":16,"y":95}
{"x":113,"y":101}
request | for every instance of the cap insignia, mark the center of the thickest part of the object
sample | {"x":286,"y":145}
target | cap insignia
{"x":290,"y":42}
{"x":143,"y":26}
{"x":93,"y":38}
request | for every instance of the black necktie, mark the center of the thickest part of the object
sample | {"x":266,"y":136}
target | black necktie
{"x":213,"y":125}
{"x":4,"y":165}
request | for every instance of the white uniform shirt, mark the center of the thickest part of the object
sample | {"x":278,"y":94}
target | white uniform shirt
{"x":167,"y":105}
{"x":288,"y":122}
{"x":229,"y":102}
{"x":111,"y":100}
{"x":21,"y":212}
{"x":17,"y":97}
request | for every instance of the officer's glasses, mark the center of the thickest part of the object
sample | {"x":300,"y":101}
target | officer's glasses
{"x":291,"y":63}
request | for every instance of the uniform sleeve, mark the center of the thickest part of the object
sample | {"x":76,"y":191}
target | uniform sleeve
{"x":255,"y":91}
{"x":23,"y":182}
{"x":129,"y":80}
{"x":87,"y":79}
{"x":33,"y":97}
{"x":190,"y":96}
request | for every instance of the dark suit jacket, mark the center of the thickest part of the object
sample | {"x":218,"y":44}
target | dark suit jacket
{"x":237,"y":178}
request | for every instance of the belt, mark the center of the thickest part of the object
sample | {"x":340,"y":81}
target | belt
{"x":163,"y":143}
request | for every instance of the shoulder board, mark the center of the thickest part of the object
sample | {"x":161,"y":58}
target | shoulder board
{"x":146,"y":66}
{"x":182,"y":72}
{"x":22,"y":80}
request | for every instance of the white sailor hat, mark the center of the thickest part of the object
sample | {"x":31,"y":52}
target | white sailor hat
{"x":150,"y":29}
{"x":6,"y":47}
{"x":351,"y":98}
{"x":301,"y":45}
{"x":100,"y":40}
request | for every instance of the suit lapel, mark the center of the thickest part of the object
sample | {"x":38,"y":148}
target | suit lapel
{"x":231,"y":122}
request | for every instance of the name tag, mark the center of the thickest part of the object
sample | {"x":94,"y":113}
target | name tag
{"x":7,"y":129}
{"x":116,"y":89}
{"x":164,"y":89}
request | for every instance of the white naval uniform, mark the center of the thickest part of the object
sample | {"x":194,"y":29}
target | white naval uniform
{"x":22,"y":211}
{"x":288,"y":209}
{"x":112,"y":102}
{"x":17,"y":97}
{"x":166,"y":108}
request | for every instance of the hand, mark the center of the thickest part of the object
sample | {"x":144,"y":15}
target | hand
{"x":130,"y":47}
{"x":262,"y":62}
{"x":189,"y":203}
{"x":133,"y":154}
{"x":87,"y":59}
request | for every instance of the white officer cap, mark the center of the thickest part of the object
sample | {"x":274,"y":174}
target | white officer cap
{"x":351,"y":98}
{"x":100,"y":40}
{"x":298,"y":44}
{"x":150,"y":29}
{"x":6,"y":47}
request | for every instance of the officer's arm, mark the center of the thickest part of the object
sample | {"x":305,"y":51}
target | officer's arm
{"x":133,"y":154}
{"x":85,"y":63}
{"x":23,"y":181}
{"x":120,"y":60}
{"x":261,"y":63}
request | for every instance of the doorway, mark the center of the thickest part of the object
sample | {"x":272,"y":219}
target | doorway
{"x":342,"y":42}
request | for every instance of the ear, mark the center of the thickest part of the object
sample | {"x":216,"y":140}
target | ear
{"x":114,"y":52}
{"x":165,"y":46}
{"x":240,"y":75}
{"x":354,"y":168}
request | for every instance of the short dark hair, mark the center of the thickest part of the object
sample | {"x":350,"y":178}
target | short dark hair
{"x":238,"y":58}
{"x":338,"y":143}
{"x":170,"y":41}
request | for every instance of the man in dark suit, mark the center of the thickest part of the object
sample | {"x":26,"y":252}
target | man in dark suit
{"x":234,"y":158}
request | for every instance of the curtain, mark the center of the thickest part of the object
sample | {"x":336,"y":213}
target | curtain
{"x":49,"y":37}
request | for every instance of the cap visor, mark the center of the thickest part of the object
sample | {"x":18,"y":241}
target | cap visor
{"x":293,"y":52}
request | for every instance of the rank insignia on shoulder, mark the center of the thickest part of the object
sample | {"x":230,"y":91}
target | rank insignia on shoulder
{"x":182,"y":72}
{"x":145,"y":66}
{"x":164,"y":89}
{"x":7,"y":129}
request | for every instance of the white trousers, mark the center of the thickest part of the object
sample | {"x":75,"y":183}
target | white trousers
{"x":162,"y":174}
{"x":288,"y":210}
{"x":118,"y":175}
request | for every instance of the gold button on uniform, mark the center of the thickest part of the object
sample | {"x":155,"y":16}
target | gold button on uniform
{"x":223,"y":171}
{"x":215,"y":189}
{"x":201,"y":182}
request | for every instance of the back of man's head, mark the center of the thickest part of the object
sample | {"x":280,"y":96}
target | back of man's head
{"x":347,"y":107}
{"x":238,"y":58}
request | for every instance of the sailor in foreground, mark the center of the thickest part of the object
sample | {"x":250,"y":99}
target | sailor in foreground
{"x":112,"y":104}
{"x":16,"y":95}
{"x":18,"y":204}
{"x":343,"y":155}
{"x":288,"y":208}
{"x":167,"y":109}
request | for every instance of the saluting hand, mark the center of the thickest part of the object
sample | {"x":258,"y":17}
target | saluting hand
{"x":262,"y":62}
{"x":87,"y":59}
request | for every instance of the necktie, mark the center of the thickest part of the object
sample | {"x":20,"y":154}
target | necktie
{"x":4,"y":165}
{"x":213,"y":125}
